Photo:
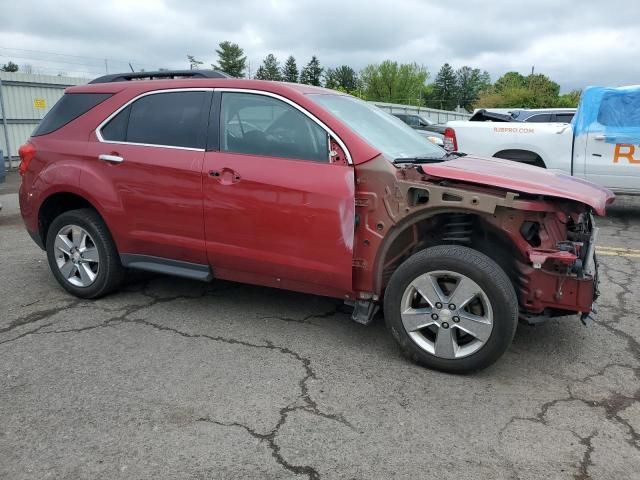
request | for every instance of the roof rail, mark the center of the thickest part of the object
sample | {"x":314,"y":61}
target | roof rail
{"x":166,"y":74}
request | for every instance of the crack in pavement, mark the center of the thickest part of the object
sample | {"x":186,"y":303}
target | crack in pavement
{"x":308,"y":404}
{"x":308,"y":470}
{"x":586,"y":462}
{"x":339,"y":309}
{"x":38,"y":315}
{"x":612,"y":404}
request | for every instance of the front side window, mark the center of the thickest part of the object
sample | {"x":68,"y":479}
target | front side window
{"x":170,"y":119}
{"x":260,"y":125}
{"x":620,"y":109}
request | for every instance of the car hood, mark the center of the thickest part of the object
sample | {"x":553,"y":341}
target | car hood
{"x":523,"y":178}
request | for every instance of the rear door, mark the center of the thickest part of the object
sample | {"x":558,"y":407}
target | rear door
{"x":149,"y":158}
{"x":613,"y":142}
{"x":277,"y":211}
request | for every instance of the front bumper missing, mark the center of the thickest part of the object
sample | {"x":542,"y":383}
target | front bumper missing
{"x":559,"y":287}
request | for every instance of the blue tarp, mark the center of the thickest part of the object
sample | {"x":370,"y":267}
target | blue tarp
{"x":612,"y":112}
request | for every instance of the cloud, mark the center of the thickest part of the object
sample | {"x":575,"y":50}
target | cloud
{"x":575,"y":43}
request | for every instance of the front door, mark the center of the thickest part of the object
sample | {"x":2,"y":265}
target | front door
{"x":277,"y":212}
{"x":613,"y":143}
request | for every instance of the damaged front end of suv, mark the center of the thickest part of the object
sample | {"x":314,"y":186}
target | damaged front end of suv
{"x":536,"y":225}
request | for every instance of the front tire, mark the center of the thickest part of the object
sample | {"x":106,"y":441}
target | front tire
{"x":451,"y":308}
{"x":82,"y":255}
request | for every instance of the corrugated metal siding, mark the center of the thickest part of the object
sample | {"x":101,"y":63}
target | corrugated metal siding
{"x":21,"y":94}
{"x":18,"y":134}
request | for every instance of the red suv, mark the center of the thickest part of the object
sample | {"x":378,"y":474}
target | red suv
{"x":302,"y":188}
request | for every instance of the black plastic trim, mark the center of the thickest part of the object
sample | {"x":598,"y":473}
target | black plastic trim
{"x":178,"y":268}
{"x":163,"y":74}
{"x":35,"y":236}
{"x":213,"y":130}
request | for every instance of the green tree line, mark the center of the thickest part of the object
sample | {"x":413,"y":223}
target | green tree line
{"x":406,"y":83}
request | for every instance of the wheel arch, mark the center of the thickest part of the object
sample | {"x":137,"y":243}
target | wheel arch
{"x":56,"y":204}
{"x":521,"y":155}
{"x":416,"y":233}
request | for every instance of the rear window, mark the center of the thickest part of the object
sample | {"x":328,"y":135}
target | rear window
{"x":68,"y":108}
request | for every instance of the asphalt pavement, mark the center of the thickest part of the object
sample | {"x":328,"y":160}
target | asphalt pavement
{"x":171,"y":378}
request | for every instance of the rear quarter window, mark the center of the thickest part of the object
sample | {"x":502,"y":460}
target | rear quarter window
{"x":67,"y":109}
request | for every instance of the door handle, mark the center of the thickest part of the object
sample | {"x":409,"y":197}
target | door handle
{"x":226,"y":176}
{"x":600,"y":138}
{"x":110,"y":158}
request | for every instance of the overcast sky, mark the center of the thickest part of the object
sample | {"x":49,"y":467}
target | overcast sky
{"x":576,"y":43}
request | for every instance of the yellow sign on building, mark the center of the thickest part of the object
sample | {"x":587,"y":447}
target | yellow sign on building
{"x":39,"y":103}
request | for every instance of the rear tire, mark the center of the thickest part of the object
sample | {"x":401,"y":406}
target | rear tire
{"x":451,"y":308}
{"x":82,"y":254}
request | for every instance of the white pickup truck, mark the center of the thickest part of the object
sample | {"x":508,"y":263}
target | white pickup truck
{"x":601,"y":144}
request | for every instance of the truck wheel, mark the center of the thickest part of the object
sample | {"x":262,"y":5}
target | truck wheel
{"x":82,"y":254}
{"x":451,"y":308}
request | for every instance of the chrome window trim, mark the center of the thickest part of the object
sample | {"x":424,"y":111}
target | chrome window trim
{"x":310,"y":115}
{"x":152,"y":92}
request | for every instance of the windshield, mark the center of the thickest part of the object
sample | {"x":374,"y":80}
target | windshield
{"x":394,"y":138}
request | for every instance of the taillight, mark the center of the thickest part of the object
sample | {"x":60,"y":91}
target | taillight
{"x":26,"y":152}
{"x":450,"y":142}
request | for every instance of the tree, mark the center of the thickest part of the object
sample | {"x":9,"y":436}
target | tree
{"x":260,"y":73}
{"x":514,"y":90}
{"x":231,"y":59}
{"x":445,"y":89}
{"x":569,"y":100}
{"x":510,"y":80}
{"x":270,"y":69}
{"x":193,"y":63}
{"x":9,"y":67}
{"x":343,"y":78}
{"x":469,"y":83}
{"x":311,"y":74}
{"x":393,"y":82}
{"x":290,"y":70}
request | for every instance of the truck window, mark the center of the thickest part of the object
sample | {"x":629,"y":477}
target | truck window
{"x":564,"y":117}
{"x":539,"y":118}
{"x":620,"y":109}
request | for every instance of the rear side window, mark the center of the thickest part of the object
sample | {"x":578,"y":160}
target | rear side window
{"x":68,"y":108}
{"x":173,"y":119}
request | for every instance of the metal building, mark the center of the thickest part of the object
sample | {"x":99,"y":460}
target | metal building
{"x":24,"y":100}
